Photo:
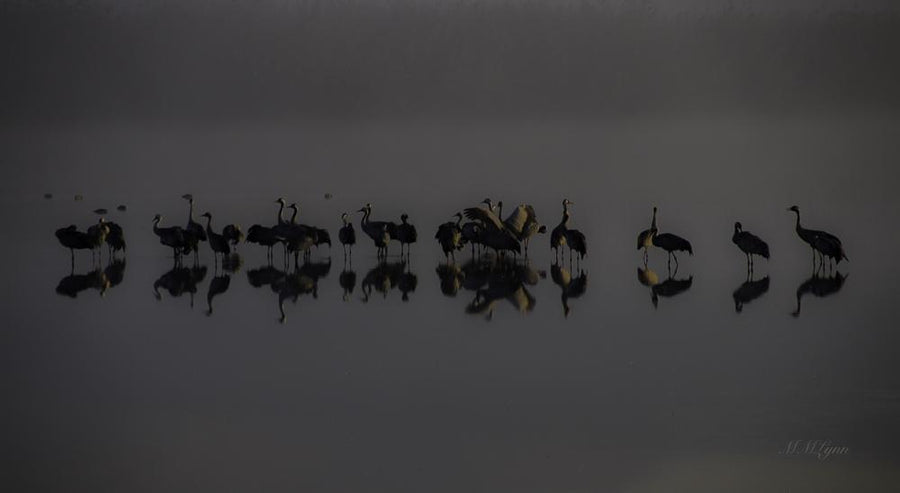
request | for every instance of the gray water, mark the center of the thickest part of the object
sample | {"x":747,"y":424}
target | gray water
{"x":118,"y":389}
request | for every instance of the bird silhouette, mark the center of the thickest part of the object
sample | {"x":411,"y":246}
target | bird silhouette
{"x":826,"y":244}
{"x":115,"y":240}
{"x":750,"y":244}
{"x":73,"y":239}
{"x":172,"y":237}
{"x":218,"y":243}
{"x":193,"y":231}
{"x":492,"y":232}
{"x":347,"y":236}
{"x":523,"y":224}
{"x":381,"y":232}
{"x":406,"y":234}
{"x":232,"y":233}
{"x":449,"y":236}
{"x":645,"y":237}
{"x":671,"y":243}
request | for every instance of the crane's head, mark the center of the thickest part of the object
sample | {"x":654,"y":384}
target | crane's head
{"x":157,"y":217}
{"x":345,"y":217}
{"x":489,"y":203}
{"x":567,"y":202}
{"x":458,"y":215}
{"x":294,"y":206}
{"x":280,"y":200}
{"x":794,"y":208}
{"x":206,"y":214}
{"x":654,"y":209}
{"x":404,"y":217}
{"x":188,"y":197}
{"x":737,"y":226}
{"x":542,"y":229}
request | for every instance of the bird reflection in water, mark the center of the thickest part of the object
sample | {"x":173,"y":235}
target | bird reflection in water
{"x":302,"y":280}
{"x":101,"y":280}
{"x":749,"y":290}
{"x":666,"y":289}
{"x":570,"y":287}
{"x":451,"y":277}
{"x":217,"y":286}
{"x":347,"y":281}
{"x":494,"y":280}
{"x":180,"y":280}
{"x":819,"y":286}
{"x":386,"y":276}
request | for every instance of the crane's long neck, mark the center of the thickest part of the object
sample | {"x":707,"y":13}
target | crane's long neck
{"x":799,"y":228}
{"x":209,"y":224}
{"x":155,"y":224}
{"x":653,"y":221}
{"x":365,"y":218}
{"x":294,"y":215}
{"x":191,"y":210}
{"x":458,"y":220}
{"x":565,"y":217}
{"x":280,"y":212}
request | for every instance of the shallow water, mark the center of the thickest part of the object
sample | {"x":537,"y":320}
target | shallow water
{"x":147,"y":384}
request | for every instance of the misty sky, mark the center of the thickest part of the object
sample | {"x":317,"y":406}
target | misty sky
{"x":76,"y":61}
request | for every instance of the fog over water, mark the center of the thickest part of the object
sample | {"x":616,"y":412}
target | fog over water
{"x":140,"y":376}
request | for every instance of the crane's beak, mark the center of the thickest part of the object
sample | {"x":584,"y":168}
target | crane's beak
{"x":362,"y":210}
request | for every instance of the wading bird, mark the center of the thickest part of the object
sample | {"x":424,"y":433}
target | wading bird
{"x":172,"y":237}
{"x":558,"y":235}
{"x":233,"y":234}
{"x":819,"y":240}
{"x":750,"y":244}
{"x":217,"y":242}
{"x":645,"y":237}
{"x":194,"y":232}
{"x":406,"y":234}
{"x":523,"y":224}
{"x":115,"y":240}
{"x":492,"y":233}
{"x":381,"y":232}
{"x":449,"y":235}
{"x":347,"y":235}
{"x":671,"y":243}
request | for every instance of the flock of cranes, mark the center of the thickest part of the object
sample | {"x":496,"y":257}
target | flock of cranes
{"x":482,"y":228}
{"x":485,"y":229}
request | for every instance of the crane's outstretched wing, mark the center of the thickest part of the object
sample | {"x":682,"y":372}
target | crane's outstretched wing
{"x":485,"y":216}
{"x":517,"y":220}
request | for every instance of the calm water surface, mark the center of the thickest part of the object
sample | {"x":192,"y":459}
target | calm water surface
{"x":168,"y":380}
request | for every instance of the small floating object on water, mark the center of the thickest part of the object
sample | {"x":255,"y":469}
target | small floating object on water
{"x":100,"y":211}
{"x":122,"y":208}
{"x":79,"y":197}
{"x":48,"y":195}
{"x":328,"y":196}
